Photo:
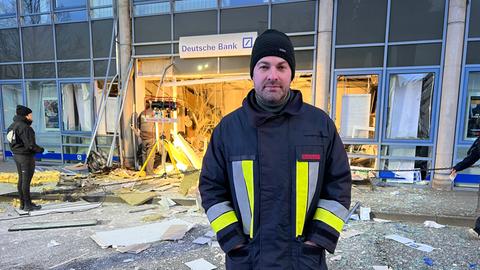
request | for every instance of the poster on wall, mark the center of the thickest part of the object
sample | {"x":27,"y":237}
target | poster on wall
{"x":473,"y":117}
{"x":50,"y":113}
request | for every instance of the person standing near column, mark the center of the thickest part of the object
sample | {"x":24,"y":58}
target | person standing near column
{"x":473,"y":155}
{"x":24,"y":148}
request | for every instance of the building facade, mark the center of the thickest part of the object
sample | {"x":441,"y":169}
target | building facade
{"x":400,"y":78}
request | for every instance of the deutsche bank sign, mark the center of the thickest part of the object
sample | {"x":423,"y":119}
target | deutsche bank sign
{"x":217,"y":45}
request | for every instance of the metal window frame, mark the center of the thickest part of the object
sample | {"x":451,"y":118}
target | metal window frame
{"x":383,"y":86}
{"x":333,"y":108}
{"x":466,"y":70}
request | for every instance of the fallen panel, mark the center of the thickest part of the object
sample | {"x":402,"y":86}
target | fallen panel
{"x":137,"y":198}
{"x":52,"y":225}
{"x":134,"y":249}
{"x":136,"y":235}
{"x":185,"y":201}
{"x":60,"y":208}
{"x":175,"y":232}
{"x":200,"y":264}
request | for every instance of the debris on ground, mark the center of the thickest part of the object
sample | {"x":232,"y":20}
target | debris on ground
{"x":139,"y":234}
{"x":410,"y":243}
{"x":134,"y":249}
{"x":136,"y":198}
{"x":53,"y":243}
{"x":39,"y":178}
{"x":200,"y":264}
{"x":52,"y":225}
{"x":432,"y":224}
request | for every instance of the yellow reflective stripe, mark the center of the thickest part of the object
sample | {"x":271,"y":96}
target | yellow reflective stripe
{"x":329,"y":218}
{"x":223,"y":221}
{"x":302,"y":196}
{"x":247,"y":168}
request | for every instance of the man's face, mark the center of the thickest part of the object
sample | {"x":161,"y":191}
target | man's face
{"x":29,"y":117}
{"x":271,"y":79}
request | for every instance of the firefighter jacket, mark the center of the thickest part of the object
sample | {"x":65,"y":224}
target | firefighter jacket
{"x":270,"y":182}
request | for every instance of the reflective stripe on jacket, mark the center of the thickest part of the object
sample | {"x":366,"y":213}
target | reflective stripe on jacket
{"x":272,"y":182}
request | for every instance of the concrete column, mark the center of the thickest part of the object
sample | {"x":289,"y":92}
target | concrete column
{"x":124,"y":55}
{"x":450,"y":91}
{"x":324,"y":53}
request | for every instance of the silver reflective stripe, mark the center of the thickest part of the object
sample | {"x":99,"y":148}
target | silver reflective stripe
{"x":335,"y":207}
{"x":312,"y":180}
{"x":242,"y":195}
{"x":217,"y":210}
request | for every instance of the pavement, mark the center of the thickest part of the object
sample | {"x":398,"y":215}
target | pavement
{"x":407,"y":205}
{"x":403,"y":202}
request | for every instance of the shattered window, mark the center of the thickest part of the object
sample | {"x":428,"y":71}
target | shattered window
{"x":409,"y":111}
{"x":356,"y":105}
{"x":77,"y":106}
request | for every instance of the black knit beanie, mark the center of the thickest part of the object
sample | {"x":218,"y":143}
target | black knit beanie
{"x":23,"y":111}
{"x":273,"y":43}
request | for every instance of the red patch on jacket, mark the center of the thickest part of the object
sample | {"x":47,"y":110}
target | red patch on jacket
{"x":311,"y":156}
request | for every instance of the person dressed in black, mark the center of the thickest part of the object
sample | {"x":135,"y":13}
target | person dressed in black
{"x":473,"y":155}
{"x":24,"y":149}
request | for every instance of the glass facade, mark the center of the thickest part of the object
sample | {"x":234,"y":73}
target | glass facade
{"x":51,"y":52}
{"x":386,"y":69}
{"x":468,"y":117}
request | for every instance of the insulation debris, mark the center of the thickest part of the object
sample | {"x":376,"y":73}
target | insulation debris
{"x":39,"y":178}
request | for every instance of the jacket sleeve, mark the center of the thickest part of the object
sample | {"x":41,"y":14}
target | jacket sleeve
{"x":217,"y":197}
{"x":472,"y":157}
{"x":334,"y":202}
{"x":28,"y":139}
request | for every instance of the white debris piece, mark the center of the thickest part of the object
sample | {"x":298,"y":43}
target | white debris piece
{"x":381,"y":220}
{"x":53,"y":243}
{"x":364,"y":213}
{"x":432,"y":224}
{"x":349,"y":233}
{"x":214,"y":244}
{"x":410,"y":243}
{"x":381,"y":267}
{"x":200,"y":264}
{"x":209,"y":234}
{"x":354,"y":217}
{"x":336,"y":258}
{"x":202,"y":240}
{"x":140,"y":234}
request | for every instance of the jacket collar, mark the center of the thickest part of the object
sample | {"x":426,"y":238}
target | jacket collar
{"x":257,"y":116}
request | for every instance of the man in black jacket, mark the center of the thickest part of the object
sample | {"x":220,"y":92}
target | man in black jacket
{"x":24,"y":149}
{"x":473,"y":155}
{"x":275,"y":181}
